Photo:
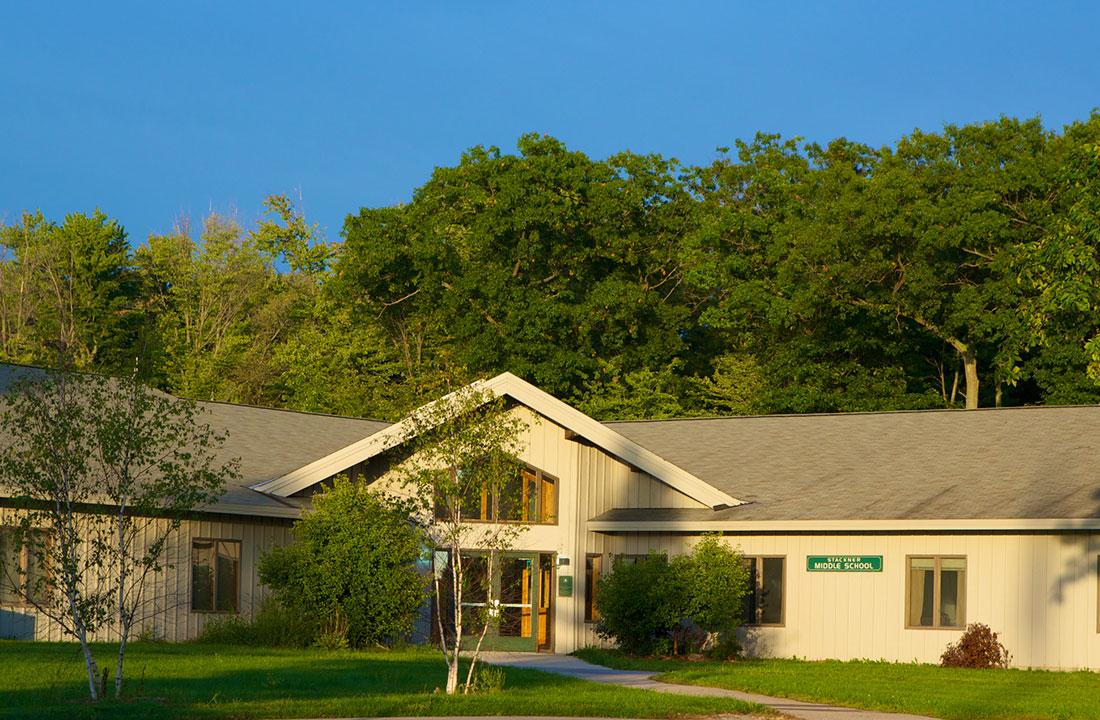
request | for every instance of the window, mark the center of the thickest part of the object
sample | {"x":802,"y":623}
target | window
{"x":528,"y":496}
{"x":936,"y":592}
{"x":592,"y":567}
{"x":21,"y":578}
{"x":215,"y":575}
{"x":763,"y":603}
{"x":627,"y":559}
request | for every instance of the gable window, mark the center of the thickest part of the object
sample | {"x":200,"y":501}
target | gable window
{"x":764,"y":602}
{"x":21,"y":579}
{"x":593,"y":565}
{"x":529,"y":496}
{"x":215,"y":575}
{"x":935,"y":594}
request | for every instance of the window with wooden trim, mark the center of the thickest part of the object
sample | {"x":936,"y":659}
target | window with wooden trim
{"x":765,"y":601}
{"x":593,"y":565}
{"x":22,"y":579}
{"x":529,"y":496}
{"x":935,"y":593}
{"x":215,"y":575}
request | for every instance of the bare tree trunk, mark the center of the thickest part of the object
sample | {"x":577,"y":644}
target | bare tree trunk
{"x":82,"y":636}
{"x":456,"y":579}
{"x":123,"y":617}
{"x":970,"y":368}
{"x":998,"y":395}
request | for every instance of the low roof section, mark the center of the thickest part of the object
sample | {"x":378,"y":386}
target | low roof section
{"x":269,"y":443}
{"x":1027,"y":463}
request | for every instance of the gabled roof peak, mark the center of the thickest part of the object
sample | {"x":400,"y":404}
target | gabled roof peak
{"x":509,"y":385}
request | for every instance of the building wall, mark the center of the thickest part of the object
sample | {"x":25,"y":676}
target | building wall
{"x":1038,"y":591}
{"x":167,"y":606}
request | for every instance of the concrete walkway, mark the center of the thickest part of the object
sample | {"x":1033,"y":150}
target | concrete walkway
{"x":577,"y":668}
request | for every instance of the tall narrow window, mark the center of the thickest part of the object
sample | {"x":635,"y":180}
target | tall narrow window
{"x":764,"y":601}
{"x":20,"y":568}
{"x":592,"y":567}
{"x":936,"y":592}
{"x":215,"y":575}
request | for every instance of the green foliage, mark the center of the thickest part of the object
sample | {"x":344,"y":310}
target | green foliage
{"x":952,"y":267}
{"x":353,"y":557}
{"x":716,"y":580}
{"x":641,"y":603}
{"x":652,"y":605}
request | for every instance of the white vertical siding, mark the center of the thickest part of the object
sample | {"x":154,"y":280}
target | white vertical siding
{"x":167,"y":597}
{"x":1038,"y":591}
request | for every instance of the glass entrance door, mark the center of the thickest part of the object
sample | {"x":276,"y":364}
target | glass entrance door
{"x":518,"y":597}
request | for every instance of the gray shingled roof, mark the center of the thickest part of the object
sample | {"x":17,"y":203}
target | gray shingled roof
{"x":1011,"y":463}
{"x":269,"y":443}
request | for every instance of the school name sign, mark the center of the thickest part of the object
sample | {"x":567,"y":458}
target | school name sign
{"x":844,"y":563}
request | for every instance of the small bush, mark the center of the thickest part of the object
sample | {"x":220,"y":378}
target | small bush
{"x":977,"y":648}
{"x":641,"y":605}
{"x":689,"y":604}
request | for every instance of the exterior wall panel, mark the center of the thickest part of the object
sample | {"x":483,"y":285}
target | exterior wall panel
{"x":1038,"y":591}
{"x":167,"y":607}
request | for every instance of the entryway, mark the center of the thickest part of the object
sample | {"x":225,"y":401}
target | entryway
{"x":521,"y":591}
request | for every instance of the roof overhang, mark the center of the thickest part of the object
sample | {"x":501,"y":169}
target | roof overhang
{"x":779,"y":527}
{"x":553,"y":409}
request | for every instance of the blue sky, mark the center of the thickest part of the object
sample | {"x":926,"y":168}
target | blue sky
{"x":152,"y":109}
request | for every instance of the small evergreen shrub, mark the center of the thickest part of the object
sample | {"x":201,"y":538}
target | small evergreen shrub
{"x":977,"y":648}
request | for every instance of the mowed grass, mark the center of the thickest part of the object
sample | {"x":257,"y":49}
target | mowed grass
{"x":47,"y":680}
{"x":953,"y":694}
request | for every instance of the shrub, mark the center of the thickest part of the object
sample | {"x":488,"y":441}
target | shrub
{"x":977,"y":648}
{"x":691,"y":603}
{"x":641,"y":604}
{"x":716,"y":578}
{"x":354,"y":558}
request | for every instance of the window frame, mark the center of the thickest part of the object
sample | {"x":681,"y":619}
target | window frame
{"x":490,"y":502}
{"x":936,"y":585}
{"x":1098,"y":593}
{"x":591,"y":580}
{"x":25,"y":561}
{"x":214,"y":578}
{"x":758,"y":590}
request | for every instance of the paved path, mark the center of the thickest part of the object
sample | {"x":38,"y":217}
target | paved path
{"x":575,"y":667}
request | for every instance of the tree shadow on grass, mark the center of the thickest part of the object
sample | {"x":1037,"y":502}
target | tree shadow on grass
{"x":168,"y":681}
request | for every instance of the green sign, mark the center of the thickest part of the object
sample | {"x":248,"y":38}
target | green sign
{"x":565,"y":586}
{"x":844,"y":563}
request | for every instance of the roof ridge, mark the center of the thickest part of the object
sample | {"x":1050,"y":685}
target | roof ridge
{"x":250,"y":406}
{"x":198,"y":400}
{"x":856,"y":413}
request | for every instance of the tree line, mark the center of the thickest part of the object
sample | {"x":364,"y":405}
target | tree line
{"x":956,"y":268}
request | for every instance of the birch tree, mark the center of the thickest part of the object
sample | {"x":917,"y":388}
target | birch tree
{"x":461,"y":472}
{"x":105,"y":470}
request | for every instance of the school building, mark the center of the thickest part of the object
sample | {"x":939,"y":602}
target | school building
{"x":870,"y":535}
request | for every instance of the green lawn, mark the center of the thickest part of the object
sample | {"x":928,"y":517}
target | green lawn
{"x":46,"y":680}
{"x":919,"y":689}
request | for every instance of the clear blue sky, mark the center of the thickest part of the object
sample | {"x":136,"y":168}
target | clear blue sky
{"x":150,"y":109}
